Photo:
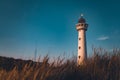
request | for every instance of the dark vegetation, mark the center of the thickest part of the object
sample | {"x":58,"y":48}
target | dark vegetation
{"x":9,"y":64}
{"x":102,"y":65}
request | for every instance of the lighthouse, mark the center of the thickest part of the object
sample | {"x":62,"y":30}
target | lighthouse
{"x":81,"y":27}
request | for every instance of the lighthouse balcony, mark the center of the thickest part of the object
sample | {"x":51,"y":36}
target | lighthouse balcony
{"x":80,"y":26}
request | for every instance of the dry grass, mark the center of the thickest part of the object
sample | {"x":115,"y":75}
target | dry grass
{"x":102,"y":66}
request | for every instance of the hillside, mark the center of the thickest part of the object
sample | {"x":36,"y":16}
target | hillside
{"x":8,"y":64}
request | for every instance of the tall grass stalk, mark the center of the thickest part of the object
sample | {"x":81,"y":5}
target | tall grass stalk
{"x":102,"y":66}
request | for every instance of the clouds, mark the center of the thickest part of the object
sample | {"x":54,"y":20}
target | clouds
{"x":103,"y":38}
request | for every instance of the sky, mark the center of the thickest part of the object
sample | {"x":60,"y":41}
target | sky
{"x":50,"y":26}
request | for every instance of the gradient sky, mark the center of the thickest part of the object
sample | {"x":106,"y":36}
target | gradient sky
{"x":49,"y":26}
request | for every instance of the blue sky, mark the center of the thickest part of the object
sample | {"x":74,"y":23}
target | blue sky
{"x":49,"y":26}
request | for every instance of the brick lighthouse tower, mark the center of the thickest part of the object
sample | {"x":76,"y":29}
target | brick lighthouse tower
{"x":82,"y":48}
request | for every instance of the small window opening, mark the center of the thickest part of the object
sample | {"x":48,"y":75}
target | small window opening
{"x":81,"y":24}
{"x":79,"y":57}
{"x":79,"y":47}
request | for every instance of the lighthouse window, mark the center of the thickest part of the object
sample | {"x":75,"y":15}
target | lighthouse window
{"x":79,"y":57}
{"x":79,"y":38}
{"x":79,"y":47}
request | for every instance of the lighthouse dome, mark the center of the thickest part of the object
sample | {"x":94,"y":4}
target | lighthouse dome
{"x":81,"y":20}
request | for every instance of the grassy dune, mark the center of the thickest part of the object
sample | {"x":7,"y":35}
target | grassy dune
{"x":102,"y":66}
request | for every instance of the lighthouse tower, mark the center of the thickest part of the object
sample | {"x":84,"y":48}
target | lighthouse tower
{"x":82,"y":48}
